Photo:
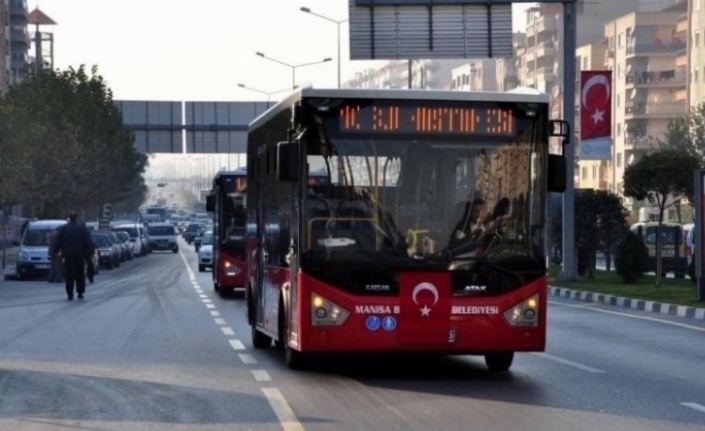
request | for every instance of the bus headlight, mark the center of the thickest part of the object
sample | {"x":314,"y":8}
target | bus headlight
{"x":526,"y":313}
{"x":231,"y":270}
{"x":326,"y":313}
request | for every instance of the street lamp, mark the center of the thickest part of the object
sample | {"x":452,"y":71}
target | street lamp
{"x":336,"y":22}
{"x":293,"y":66}
{"x":267,"y":93}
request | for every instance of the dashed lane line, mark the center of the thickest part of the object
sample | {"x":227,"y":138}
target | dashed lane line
{"x":567,"y":362}
{"x":261,"y":376}
{"x":633,"y":316}
{"x":227,"y":331}
{"x":220,"y":321}
{"x":246,"y":358}
{"x":202,"y":296}
{"x":236,"y":344}
{"x":215,"y":313}
{"x":695,"y":406}
{"x":210,"y":306}
{"x":206,"y":301}
{"x":281,"y":408}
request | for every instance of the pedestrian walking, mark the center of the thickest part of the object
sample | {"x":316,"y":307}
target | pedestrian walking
{"x":73,"y":241}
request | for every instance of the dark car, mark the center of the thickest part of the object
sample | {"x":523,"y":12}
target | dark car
{"x":109,"y":252}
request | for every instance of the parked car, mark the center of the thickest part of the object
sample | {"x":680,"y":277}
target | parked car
{"x":33,"y":258}
{"x":162,"y":236}
{"x":109,"y":251}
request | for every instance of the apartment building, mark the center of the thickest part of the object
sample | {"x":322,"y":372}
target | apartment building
{"x":649,"y":85}
{"x":590,"y":174}
{"x":691,"y":20}
{"x":477,"y":75}
{"x":4,"y":46}
{"x":19,"y":40}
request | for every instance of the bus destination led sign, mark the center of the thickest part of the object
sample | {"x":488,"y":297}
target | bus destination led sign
{"x":427,"y":120}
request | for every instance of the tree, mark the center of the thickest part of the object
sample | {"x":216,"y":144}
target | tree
{"x":663,"y":178}
{"x":64,"y":144}
{"x":600,"y":222}
{"x":686,"y":133}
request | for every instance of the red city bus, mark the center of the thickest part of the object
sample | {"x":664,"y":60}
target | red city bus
{"x":227,"y":201}
{"x":428,"y":234}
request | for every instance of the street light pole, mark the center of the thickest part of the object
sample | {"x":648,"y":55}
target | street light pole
{"x":336,"y":22}
{"x":293,"y":66}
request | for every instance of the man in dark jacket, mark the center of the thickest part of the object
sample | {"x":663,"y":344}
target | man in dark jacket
{"x":73,"y":241}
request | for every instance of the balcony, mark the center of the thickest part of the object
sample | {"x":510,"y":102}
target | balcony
{"x":640,"y":110}
{"x":18,"y":10}
{"x":682,"y":25}
{"x":681,"y":95}
{"x":655,"y":49}
{"x":546,"y":73}
{"x":545,"y":23}
{"x":637,"y":142}
{"x":545,"y":49}
{"x":655,"y":79}
{"x":18,"y":36}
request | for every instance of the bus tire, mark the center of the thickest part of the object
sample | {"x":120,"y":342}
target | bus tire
{"x":201,"y":268}
{"x":294,"y":359}
{"x":499,"y":362}
{"x":279,"y":343}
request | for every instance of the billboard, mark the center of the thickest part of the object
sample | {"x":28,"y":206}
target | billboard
{"x":423,"y":29}
{"x":157,"y":126}
{"x":219,"y":127}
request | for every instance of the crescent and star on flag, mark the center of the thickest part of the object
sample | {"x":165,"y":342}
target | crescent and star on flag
{"x":595,"y":80}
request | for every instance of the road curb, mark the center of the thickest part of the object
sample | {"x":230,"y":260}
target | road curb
{"x":631,"y":303}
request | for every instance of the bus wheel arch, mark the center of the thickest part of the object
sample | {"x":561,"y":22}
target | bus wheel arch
{"x":260,"y":340}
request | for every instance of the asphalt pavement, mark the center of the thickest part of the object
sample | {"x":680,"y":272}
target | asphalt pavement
{"x":152,"y":347}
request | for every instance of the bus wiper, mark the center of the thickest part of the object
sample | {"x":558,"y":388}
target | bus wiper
{"x":483,"y":261}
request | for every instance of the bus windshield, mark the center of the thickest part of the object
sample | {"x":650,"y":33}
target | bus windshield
{"x":424,"y":203}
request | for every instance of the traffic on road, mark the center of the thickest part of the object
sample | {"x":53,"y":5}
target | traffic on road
{"x":154,"y":347}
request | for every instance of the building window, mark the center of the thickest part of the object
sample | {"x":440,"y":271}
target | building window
{"x":696,"y":38}
{"x":594,"y":172}
{"x":619,"y":100}
{"x":695,"y":74}
{"x":619,"y":128}
{"x":584,"y":173}
{"x":619,"y":160}
{"x":620,"y":40}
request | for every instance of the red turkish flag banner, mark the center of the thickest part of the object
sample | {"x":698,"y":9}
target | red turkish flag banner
{"x":595,"y":104}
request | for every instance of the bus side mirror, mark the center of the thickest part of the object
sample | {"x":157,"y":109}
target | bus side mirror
{"x":287,"y":161}
{"x":557,"y":178}
{"x":210,"y":203}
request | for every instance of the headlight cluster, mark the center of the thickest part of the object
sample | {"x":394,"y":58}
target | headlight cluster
{"x":326,"y":313}
{"x":231,"y":270}
{"x":526,"y":313}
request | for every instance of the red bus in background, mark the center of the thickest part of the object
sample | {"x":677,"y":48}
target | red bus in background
{"x":427,"y":235}
{"x":227,"y":202}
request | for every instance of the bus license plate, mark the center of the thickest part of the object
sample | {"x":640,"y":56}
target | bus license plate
{"x":668,"y":253}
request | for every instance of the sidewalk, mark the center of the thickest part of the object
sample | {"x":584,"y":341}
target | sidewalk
{"x":631,"y":303}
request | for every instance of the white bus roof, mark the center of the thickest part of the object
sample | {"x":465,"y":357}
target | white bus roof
{"x":521,"y":95}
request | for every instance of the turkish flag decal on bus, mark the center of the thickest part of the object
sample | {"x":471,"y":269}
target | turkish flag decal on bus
{"x":425,"y":300}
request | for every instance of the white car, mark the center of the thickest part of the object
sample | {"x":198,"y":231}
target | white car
{"x":205,"y":252}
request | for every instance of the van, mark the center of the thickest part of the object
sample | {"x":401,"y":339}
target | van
{"x":673,"y":246}
{"x":33,"y":259}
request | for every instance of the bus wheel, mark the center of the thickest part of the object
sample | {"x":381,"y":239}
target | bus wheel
{"x":294,"y":359}
{"x":259,"y":339}
{"x":498,"y":362}
{"x":281,"y":326}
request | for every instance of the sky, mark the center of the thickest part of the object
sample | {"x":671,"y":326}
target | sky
{"x":200,"y":50}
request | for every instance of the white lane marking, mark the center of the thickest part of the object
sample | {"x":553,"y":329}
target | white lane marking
{"x":210,"y":306}
{"x":695,"y":406}
{"x":219,"y":321}
{"x":202,"y":296}
{"x":191,"y":274}
{"x":199,"y":290}
{"x":215,"y":313}
{"x":237,"y":344}
{"x":261,"y":376}
{"x":246,"y":358}
{"x":281,"y":408}
{"x":567,"y":362}
{"x":206,"y":301}
{"x":227,"y":331}
{"x":617,"y":313}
